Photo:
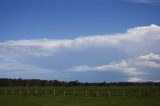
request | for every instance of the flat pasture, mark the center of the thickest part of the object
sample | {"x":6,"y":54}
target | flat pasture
{"x":80,"y":96}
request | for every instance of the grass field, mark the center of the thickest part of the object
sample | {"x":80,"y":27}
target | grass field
{"x":78,"y":101}
{"x":76,"y":96}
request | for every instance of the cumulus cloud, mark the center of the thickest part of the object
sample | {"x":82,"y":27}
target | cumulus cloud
{"x":140,"y":45}
{"x":134,"y":67}
{"x":139,"y":40}
{"x":122,"y":67}
{"x":129,"y":66}
{"x":150,"y":56}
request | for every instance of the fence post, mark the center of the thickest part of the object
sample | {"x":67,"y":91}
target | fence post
{"x":109,"y":94}
{"x":74,"y":92}
{"x":86,"y":93}
{"x":5,"y":92}
{"x":139,"y":92}
{"x":12,"y":92}
{"x":20,"y":92}
{"x":124,"y":93}
{"x":97,"y":93}
{"x":54,"y":92}
{"x":36,"y":92}
{"x":155,"y":92}
{"x":64,"y":93}
{"x":28,"y":91}
{"x":46,"y":92}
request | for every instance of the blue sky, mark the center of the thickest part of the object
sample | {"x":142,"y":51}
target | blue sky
{"x":85,"y":40}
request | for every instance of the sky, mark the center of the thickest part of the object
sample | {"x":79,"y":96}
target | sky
{"x":85,"y":40}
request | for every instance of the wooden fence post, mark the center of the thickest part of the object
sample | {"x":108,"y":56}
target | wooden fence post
{"x":28,"y":91}
{"x":36,"y":92}
{"x":20,"y":92}
{"x":12,"y":92}
{"x":124,"y":93}
{"x":86,"y":93}
{"x":97,"y":93}
{"x":64,"y":93}
{"x":139,"y":92}
{"x":54,"y":92}
{"x":74,"y":92}
{"x":109,"y":94}
{"x":46,"y":92}
{"x":5,"y":92}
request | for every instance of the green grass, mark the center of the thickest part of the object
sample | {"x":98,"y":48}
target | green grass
{"x":76,"y":96}
{"x":77,"y":101}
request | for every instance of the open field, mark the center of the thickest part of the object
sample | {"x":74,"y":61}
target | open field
{"x":77,"y":101}
{"x":81,"y":96}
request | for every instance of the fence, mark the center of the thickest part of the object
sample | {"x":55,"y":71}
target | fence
{"x":82,"y":91}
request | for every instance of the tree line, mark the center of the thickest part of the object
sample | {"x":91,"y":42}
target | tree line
{"x":6,"y":82}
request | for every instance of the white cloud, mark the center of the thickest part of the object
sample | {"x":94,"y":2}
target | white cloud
{"x":150,"y":56}
{"x":150,"y":60}
{"x":145,"y":1}
{"x":134,"y":67}
{"x":38,"y":47}
{"x":140,"y":45}
{"x":122,"y":67}
{"x":135,"y":79}
{"x":129,"y":66}
{"x":135,"y":41}
{"x":12,"y":65}
{"x":24,"y":68}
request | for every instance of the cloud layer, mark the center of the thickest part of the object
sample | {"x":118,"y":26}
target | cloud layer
{"x":134,"y":67}
{"x":139,"y":46}
{"x":146,"y":37}
{"x":146,"y":1}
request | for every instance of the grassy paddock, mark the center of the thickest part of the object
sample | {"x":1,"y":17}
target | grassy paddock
{"x":77,"y":101}
{"x":112,"y":91}
{"x":81,"y":96}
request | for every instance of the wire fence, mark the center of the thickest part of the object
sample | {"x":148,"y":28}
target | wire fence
{"x":82,"y":91}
